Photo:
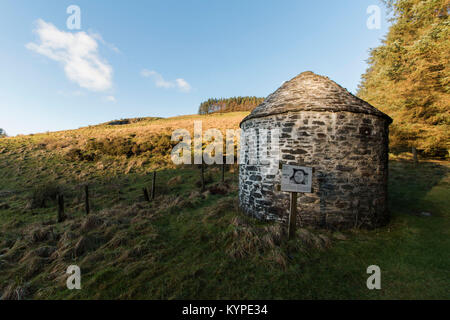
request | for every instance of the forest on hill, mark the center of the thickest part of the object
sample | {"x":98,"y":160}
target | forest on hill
{"x":233,"y":104}
{"x":408,"y":76}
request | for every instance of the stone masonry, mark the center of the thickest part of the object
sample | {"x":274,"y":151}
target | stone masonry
{"x":345,"y":140}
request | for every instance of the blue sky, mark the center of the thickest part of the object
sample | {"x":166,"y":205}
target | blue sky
{"x":163,"y":58}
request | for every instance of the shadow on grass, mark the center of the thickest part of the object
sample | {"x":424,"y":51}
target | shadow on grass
{"x":410,"y":186}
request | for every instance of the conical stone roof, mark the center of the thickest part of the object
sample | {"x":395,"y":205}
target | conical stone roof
{"x":311,"y":92}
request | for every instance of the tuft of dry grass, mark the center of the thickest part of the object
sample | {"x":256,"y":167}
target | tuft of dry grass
{"x":14,"y":292}
{"x":220,"y":188}
{"x":222,"y":207}
{"x":119,"y":239}
{"x":278,"y":256}
{"x":91,"y":222}
{"x":248,"y":238}
{"x":313,"y":239}
{"x":174,"y":181}
{"x":41,"y":234}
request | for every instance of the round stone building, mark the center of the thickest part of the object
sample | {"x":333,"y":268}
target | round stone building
{"x":321,"y":125}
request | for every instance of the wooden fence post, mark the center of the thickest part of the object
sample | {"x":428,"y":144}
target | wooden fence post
{"x":146,"y":197}
{"x":61,"y":215}
{"x":292,"y":215}
{"x":223,"y":168}
{"x":414,"y":152}
{"x":86,"y":199}
{"x":203,"y":176}
{"x":154,"y":185}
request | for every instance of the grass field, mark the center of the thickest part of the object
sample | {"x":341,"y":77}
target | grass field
{"x":193,"y":245}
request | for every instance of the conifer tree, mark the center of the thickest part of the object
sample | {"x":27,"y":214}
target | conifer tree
{"x":408,"y":76}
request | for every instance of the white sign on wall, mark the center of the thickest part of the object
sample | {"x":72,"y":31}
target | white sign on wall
{"x":296,"y":178}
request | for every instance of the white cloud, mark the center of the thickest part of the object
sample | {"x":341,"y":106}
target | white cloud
{"x":180,"y":84}
{"x":183,"y":85}
{"x":159,"y":80}
{"x":77,"y":52}
{"x":110,"y":99}
{"x":109,"y":45}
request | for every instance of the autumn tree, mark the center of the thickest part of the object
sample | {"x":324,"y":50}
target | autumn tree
{"x":408,"y":75}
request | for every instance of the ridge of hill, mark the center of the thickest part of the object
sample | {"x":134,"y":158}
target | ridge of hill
{"x":140,"y":144}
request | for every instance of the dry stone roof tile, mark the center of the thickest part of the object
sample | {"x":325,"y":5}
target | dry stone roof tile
{"x":311,"y":92}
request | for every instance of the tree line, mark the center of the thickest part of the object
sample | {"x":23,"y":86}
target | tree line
{"x":408,"y":76}
{"x":214,"y":105}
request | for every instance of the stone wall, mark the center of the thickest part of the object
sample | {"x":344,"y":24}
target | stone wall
{"x":349,"y":153}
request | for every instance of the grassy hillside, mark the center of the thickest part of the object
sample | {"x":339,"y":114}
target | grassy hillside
{"x":105,"y":150}
{"x":189,"y":244}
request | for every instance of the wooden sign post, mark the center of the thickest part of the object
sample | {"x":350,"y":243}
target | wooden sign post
{"x":292,"y":215}
{"x":295,"y":179}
